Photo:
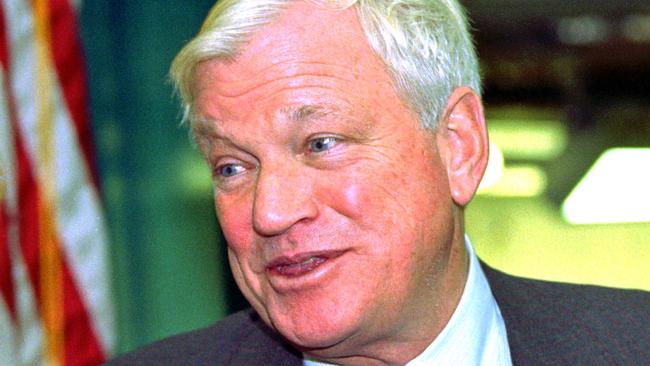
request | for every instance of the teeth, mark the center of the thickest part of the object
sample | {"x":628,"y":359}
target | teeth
{"x":293,"y":269}
{"x":301,"y":264}
{"x":310,"y":260}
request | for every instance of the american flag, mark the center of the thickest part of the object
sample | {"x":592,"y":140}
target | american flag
{"x":55,"y":306}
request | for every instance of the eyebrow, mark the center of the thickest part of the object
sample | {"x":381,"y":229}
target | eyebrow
{"x":307,"y":112}
{"x":206,"y":130}
{"x":302,"y":114}
{"x":202,"y":124}
{"x":202,"y":132}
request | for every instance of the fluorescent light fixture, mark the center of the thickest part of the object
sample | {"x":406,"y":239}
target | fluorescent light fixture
{"x":636,"y":28}
{"x":529,"y":139}
{"x":512,"y":180}
{"x":582,"y":30}
{"x":518,"y":180}
{"x":616,"y":189}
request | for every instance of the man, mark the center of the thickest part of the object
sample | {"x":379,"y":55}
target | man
{"x":345,"y":138}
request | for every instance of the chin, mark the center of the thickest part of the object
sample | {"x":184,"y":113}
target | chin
{"x":314,"y":342}
{"x":315,"y":329}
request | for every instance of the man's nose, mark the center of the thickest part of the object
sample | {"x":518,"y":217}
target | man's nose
{"x":282,"y":198}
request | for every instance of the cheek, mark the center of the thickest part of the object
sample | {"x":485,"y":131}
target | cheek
{"x":235,"y":218}
{"x":350,"y":197}
{"x":377,"y":196}
{"x":367,"y":208}
{"x":235,"y":222}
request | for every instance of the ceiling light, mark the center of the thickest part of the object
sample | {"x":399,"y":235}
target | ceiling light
{"x":615,"y":189}
{"x":518,"y":180}
{"x":529,"y":139}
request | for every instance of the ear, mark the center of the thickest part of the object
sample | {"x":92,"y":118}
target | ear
{"x":463,"y":143}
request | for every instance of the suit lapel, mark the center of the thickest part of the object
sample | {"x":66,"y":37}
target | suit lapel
{"x":261,"y":346}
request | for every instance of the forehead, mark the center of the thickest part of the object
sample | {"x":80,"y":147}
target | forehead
{"x":306,"y":32}
{"x":305,"y":42}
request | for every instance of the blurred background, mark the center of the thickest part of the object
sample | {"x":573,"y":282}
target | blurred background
{"x":566,"y":198}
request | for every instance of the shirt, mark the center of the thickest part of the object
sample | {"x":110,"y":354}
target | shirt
{"x":475,"y":334}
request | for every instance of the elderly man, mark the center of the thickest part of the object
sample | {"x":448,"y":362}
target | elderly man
{"x":345,"y":138}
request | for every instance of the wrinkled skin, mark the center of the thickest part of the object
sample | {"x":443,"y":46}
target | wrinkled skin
{"x":341,"y":214}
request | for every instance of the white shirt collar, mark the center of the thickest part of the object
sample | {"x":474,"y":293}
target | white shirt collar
{"x":476,"y":332}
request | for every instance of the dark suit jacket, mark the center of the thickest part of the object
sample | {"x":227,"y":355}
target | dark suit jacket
{"x":547,"y":324}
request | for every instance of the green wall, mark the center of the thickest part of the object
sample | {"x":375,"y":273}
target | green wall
{"x":168,"y":259}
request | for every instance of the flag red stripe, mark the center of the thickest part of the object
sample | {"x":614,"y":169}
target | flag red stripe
{"x":6,"y":279}
{"x":7,"y":289}
{"x":4,"y":49}
{"x":81,"y":344}
{"x":70,"y":67}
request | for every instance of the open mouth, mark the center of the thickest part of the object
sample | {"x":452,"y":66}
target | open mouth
{"x":301,"y":264}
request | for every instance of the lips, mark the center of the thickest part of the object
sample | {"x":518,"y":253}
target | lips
{"x":300,"y":264}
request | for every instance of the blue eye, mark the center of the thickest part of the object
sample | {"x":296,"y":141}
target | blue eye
{"x":229,"y":170}
{"x":322,"y":144}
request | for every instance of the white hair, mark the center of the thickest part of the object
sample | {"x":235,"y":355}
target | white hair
{"x":425,"y":45}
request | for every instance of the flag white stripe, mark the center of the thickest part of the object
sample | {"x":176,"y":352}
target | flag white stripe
{"x":7,"y":337}
{"x":81,"y":225}
{"x":20,"y":30}
{"x":78,"y":212}
{"x":30,"y":338}
{"x":29,"y":329}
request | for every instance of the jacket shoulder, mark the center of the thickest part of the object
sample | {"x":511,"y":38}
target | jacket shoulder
{"x":239,"y":339}
{"x":561,"y":323}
